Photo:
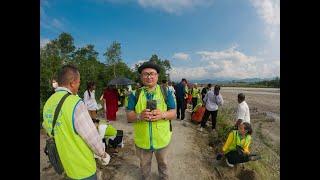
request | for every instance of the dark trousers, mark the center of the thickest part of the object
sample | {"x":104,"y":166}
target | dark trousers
{"x":194,"y":102}
{"x":180,"y":107}
{"x":234,"y":157}
{"x":213,"y":117}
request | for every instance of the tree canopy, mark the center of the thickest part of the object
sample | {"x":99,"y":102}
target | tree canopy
{"x":62,"y":51}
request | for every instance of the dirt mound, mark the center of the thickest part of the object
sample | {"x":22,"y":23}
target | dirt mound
{"x":247,"y":174}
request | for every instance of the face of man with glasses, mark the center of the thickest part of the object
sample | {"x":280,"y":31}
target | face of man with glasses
{"x":149,"y":77}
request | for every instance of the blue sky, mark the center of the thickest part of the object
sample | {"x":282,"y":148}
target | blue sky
{"x":203,"y":39}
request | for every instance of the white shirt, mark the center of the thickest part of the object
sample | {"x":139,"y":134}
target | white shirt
{"x":212,"y":101}
{"x":90,"y":102}
{"x":172,"y":90}
{"x":243,"y":112}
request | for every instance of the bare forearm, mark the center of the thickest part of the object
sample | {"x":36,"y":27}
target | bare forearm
{"x":131,"y":116}
{"x":171,"y":114}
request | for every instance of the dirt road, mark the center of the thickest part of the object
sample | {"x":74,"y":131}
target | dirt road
{"x":190,"y":156}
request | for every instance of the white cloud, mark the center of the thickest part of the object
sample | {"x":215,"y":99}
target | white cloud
{"x":173,"y":6}
{"x":177,"y":73}
{"x":229,"y":63}
{"x":48,"y":22}
{"x":43,"y":42}
{"x":269,"y":11}
{"x":181,"y":56}
{"x":57,"y":24}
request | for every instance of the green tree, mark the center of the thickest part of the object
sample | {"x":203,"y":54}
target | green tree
{"x":164,"y":67}
{"x":66,"y":46}
{"x":113,"y":55}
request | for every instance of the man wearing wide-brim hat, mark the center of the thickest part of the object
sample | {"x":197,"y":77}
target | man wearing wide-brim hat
{"x":152,"y":127}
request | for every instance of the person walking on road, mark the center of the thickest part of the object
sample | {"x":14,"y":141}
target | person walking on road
{"x":212,"y":100}
{"x":180,"y":98}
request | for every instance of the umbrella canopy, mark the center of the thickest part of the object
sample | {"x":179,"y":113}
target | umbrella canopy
{"x":120,"y":81}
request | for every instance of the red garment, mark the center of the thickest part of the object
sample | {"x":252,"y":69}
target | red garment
{"x":111,"y":98}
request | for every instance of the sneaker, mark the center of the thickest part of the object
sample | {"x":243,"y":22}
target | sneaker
{"x":230,"y":165}
{"x":200,"y":129}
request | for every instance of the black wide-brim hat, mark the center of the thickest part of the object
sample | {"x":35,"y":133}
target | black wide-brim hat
{"x":149,"y":64}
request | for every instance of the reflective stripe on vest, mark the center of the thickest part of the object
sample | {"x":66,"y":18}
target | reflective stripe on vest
{"x":76,"y":157}
{"x":152,"y":135}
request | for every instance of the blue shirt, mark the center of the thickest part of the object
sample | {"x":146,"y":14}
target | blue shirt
{"x":132,"y":100}
{"x":180,"y":91}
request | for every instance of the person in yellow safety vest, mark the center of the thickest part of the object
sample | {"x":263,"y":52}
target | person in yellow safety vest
{"x":199,"y":104}
{"x":108,"y":132}
{"x":152,"y":123}
{"x":236,"y":148}
{"x":195,"y":91}
{"x":76,"y":137}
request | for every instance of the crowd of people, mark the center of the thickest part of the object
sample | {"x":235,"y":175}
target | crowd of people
{"x":81,"y":137}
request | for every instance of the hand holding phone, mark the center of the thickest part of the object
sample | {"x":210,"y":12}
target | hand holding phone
{"x":151,"y":104}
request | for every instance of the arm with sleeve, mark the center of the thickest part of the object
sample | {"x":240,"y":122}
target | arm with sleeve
{"x":86,"y":97}
{"x":241,"y":112}
{"x":87,"y":130}
{"x":131,"y":102}
{"x":246,"y":145}
{"x":205,"y":98}
{"x":170,"y":101}
{"x":228,"y":142}
{"x":219,"y":100}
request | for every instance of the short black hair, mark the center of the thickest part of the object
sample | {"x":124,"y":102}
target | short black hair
{"x":209,"y":85}
{"x":164,"y":81}
{"x":241,"y":97}
{"x":217,"y":87}
{"x":247,"y":127}
{"x":183,"y":79}
{"x":67,"y":74}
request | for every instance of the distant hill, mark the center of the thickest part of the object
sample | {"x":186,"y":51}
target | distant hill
{"x":228,"y":80}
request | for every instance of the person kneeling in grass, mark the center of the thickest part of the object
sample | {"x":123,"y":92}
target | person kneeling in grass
{"x":236,"y":148}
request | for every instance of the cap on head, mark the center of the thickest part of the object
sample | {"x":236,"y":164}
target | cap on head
{"x":149,"y":64}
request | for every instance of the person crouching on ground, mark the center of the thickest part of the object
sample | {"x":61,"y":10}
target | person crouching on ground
{"x":236,"y":148}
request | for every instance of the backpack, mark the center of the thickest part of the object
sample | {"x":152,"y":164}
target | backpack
{"x":164,"y":92}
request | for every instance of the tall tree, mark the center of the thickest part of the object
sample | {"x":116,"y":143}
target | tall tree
{"x":113,"y":55}
{"x":164,"y":67}
{"x":66,"y":46}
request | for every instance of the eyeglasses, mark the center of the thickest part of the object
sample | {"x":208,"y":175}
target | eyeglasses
{"x":146,"y":75}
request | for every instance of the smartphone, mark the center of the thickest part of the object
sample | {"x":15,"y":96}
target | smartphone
{"x":151,"y":104}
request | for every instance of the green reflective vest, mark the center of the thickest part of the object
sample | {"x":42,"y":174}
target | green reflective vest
{"x":237,"y":141}
{"x":152,"y":135}
{"x":76,"y":157}
{"x":195,"y":92}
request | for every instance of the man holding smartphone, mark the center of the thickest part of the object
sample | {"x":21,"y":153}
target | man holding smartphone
{"x":151,"y":111}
